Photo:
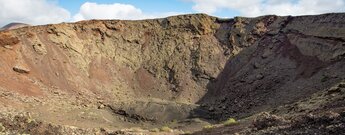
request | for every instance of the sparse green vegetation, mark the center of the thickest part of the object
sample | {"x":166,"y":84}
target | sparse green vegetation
{"x":165,"y":129}
{"x":324,"y":78}
{"x":29,"y":119}
{"x":187,"y":133}
{"x":136,"y":129}
{"x":230,"y":121}
{"x":154,"y":130}
{"x":208,"y":127}
{"x":173,"y":122}
{"x":2,"y":128}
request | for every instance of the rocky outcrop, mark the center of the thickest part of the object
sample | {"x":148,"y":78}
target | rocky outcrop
{"x":21,"y":69}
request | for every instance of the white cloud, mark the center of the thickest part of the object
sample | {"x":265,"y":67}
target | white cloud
{"x":32,"y":12}
{"x":36,"y":12}
{"x":114,"y":11}
{"x":262,"y":7}
{"x":211,"y":6}
{"x":108,"y":11}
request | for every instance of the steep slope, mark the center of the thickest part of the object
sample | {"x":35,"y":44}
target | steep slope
{"x":285,"y":65}
{"x":104,"y":75}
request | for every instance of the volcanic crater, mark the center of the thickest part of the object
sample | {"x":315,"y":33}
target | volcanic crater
{"x":183,"y":74}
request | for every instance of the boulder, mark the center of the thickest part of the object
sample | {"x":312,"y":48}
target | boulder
{"x":21,"y":69}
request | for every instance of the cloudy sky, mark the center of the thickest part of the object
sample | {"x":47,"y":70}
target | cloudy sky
{"x":55,"y":11}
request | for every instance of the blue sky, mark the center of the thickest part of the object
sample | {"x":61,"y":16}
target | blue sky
{"x":145,"y":5}
{"x":148,"y":6}
{"x":37,"y":12}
